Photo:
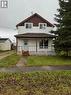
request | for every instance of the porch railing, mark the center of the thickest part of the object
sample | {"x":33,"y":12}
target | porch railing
{"x":32,"y":48}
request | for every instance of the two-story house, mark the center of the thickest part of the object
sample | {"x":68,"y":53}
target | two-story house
{"x":34,"y":36}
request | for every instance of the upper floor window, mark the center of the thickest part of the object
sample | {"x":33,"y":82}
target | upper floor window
{"x":28,"y":25}
{"x":42,"y":25}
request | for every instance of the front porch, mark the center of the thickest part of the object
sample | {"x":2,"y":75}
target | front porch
{"x":35,"y":47}
{"x":35,"y":44}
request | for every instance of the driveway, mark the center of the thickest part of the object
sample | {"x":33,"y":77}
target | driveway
{"x":5,"y":54}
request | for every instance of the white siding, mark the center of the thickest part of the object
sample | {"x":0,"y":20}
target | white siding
{"x":32,"y":45}
{"x":22,"y":30}
{"x":1,"y":46}
{"x":20,"y":45}
{"x":6,"y":45}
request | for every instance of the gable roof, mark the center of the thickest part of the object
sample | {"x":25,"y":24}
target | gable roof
{"x":32,"y":17}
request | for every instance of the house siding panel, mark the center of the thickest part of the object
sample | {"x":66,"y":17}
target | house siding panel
{"x":36,"y":20}
{"x":6,"y":45}
{"x":22,"y":30}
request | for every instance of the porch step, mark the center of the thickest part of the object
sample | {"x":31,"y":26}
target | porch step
{"x":25,"y":53}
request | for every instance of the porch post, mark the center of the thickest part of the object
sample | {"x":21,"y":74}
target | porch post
{"x":36,"y":45}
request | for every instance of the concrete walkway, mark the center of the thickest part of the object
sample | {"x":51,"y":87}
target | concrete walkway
{"x":21,"y":62}
{"x":30,"y":69}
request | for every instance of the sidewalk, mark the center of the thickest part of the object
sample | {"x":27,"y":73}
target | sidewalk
{"x":31,"y":69}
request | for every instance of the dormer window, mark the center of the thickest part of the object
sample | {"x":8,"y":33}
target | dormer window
{"x":28,"y":25}
{"x":42,"y":25}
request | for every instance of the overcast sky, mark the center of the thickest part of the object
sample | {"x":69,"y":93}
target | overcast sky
{"x":18,"y":10}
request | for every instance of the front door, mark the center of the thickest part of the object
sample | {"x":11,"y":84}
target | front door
{"x":25,"y":48}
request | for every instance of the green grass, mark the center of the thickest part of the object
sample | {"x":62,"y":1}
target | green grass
{"x":47,"y":60}
{"x":36,"y":83}
{"x":9,"y":60}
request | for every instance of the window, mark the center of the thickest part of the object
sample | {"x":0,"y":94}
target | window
{"x":4,"y":4}
{"x":25,"y":42}
{"x":28,"y":25}
{"x":43,"y":44}
{"x":42,"y":25}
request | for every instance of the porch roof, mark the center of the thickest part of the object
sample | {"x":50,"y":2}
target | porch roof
{"x":35,"y":35}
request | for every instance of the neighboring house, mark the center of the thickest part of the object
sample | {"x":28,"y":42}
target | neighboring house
{"x":5,"y":44}
{"x":34,"y":36}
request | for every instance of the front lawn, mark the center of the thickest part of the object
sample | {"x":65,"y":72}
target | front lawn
{"x":47,"y":60}
{"x":9,"y":60}
{"x":36,"y":83}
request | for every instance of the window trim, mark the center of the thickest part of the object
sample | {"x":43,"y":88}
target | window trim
{"x":43,"y":24}
{"x":29,"y":23}
{"x":43,"y":44}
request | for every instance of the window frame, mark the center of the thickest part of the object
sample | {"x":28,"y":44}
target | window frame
{"x":28,"y":24}
{"x":25,"y":42}
{"x":43,"y":46}
{"x":43,"y":25}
